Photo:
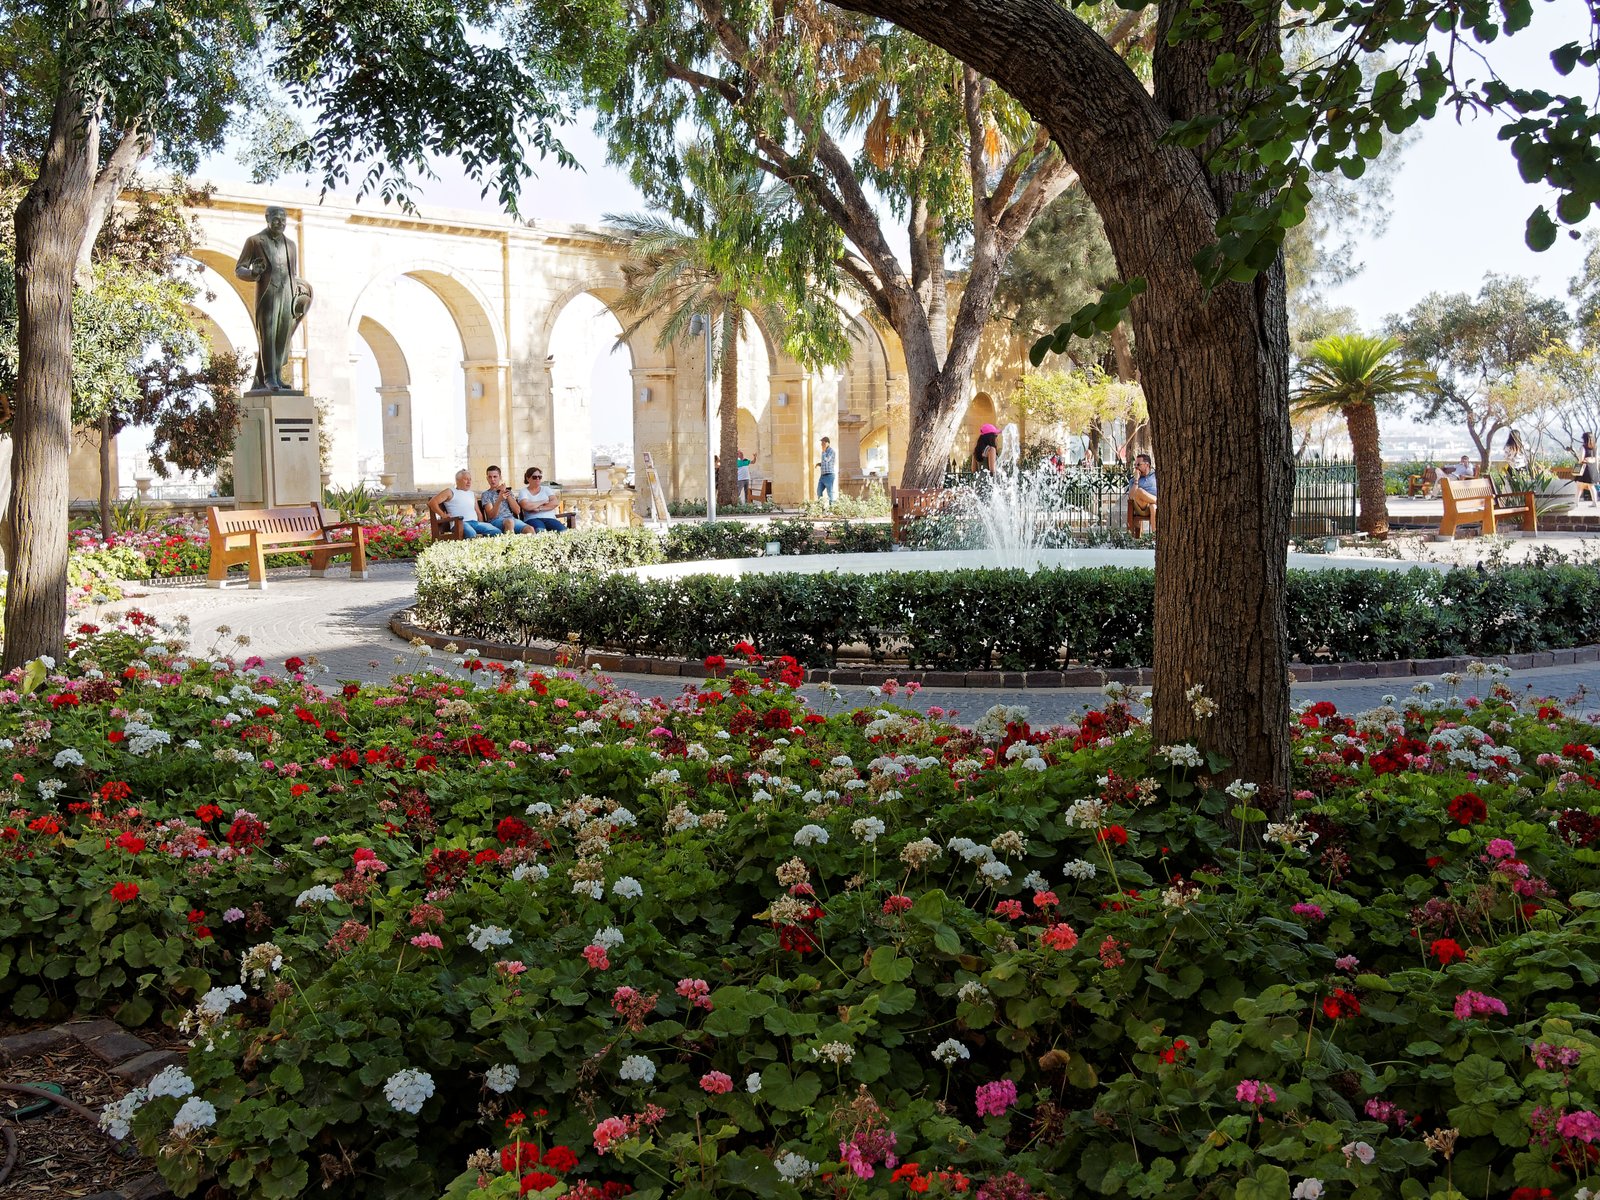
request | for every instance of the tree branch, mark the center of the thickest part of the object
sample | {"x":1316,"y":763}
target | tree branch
{"x":977,"y":164}
{"x":133,"y":145}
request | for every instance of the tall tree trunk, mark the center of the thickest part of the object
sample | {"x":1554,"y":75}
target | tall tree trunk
{"x":108,"y":480}
{"x":1361,"y":420}
{"x":728,"y":477}
{"x":1214,"y":365}
{"x":51,"y":224}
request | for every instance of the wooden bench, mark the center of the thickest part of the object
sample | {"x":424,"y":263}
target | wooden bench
{"x":907,"y":504}
{"x":1473,"y":502}
{"x":1423,"y":484}
{"x":243,"y":535}
{"x":448,"y":529}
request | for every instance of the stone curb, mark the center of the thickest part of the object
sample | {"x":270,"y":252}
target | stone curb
{"x":402,"y":626}
{"x":130,"y":1058}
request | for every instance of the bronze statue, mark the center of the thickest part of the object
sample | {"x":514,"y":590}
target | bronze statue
{"x":270,"y":261}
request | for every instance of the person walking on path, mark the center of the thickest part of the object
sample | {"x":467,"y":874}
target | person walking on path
{"x":828,"y":469}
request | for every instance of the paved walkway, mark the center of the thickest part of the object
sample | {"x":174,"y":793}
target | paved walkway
{"x":345,"y":624}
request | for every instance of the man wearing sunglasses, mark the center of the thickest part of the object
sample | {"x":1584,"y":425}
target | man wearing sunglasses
{"x":538,"y":502}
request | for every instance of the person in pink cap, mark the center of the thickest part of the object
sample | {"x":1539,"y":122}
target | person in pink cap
{"x":987,"y":449}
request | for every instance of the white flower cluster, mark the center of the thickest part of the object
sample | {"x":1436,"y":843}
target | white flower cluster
{"x":792,"y":1166}
{"x":1085,"y":813}
{"x":622,"y":818}
{"x":1291,"y":835}
{"x":595,"y":889}
{"x":608,"y":938}
{"x":969,"y":850}
{"x":920,"y":852}
{"x":663,"y":777}
{"x":538,"y":872}
{"x":408,"y":1090}
{"x":867,"y":829}
{"x":991,"y":727}
{"x":752,"y":1082}
{"x":68,"y":758}
{"x":636,"y":1068}
{"x":950,"y":1052}
{"x":171,"y":1081}
{"x":501,"y":1077}
{"x":1308,"y":1189}
{"x":115,"y":1118}
{"x":142,"y":738}
{"x":996,"y":871}
{"x":539,"y":808}
{"x":481,"y":938}
{"x":628,"y":888}
{"x":218,"y":1001}
{"x":1035,"y":882}
{"x":680,"y":817}
{"x":972,"y":992}
{"x":195,"y":1114}
{"x":1182,"y":755}
{"x":842,"y":760}
{"x":1078,"y":868}
{"x":317,"y":893}
{"x":811,"y":835}
{"x":1200,"y":704}
{"x":1241,"y":791}
{"x":838,"y":1053}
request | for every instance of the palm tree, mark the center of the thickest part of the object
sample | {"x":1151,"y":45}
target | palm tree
{"x":723,"y":262}
{"x":1353,"y":373}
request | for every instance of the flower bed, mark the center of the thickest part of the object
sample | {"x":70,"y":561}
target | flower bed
{"x":519,"y":935}
{"x":974,"y":619}
{"x":180,"y":546}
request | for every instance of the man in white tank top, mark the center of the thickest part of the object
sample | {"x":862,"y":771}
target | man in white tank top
{"x":461,"y":503}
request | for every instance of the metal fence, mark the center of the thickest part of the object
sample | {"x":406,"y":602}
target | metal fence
{"x":1092,"y":500}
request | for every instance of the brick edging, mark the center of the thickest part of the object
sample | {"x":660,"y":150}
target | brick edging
{"x":130,"y":1058}
{"x":547,"y":655}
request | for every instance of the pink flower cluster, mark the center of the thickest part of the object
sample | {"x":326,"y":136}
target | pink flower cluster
{"x":867,"y":1149}
{"x":697,"y":991}
{"x":609,"y":1132}
{"x":1501,"y":848}
{"x":1580,"y":1126}
{"x":1555,"y":1058}
{"x":1253,"y":1091}
{"x":1311,"y":912}
{"x":994,"y":1098}
{"x":716,"y":1083}
{"x":1060,"y":937}
{"x":595,"y":956}
{"x":1471,"y":1004}
{"x":1388,"y":1112}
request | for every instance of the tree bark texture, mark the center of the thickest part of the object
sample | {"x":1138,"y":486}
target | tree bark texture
{"x":728,"y":409}
{"x":1214,"y":366}
{"x":108,"y":480}
{"x":51,"y":224}
{"x":1361,"y":421}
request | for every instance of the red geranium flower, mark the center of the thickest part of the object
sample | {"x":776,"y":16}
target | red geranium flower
{"x":124,"y":892}
{"x":560,"y":1158}
{"x":1175,"y":1052}
{"x":1341,"y":1004}
{"x":1114,"y":833}
{"x":519,"y":1156}
{"x":1468,"y":809}
{"x":537,"y":1181}
{"x":132,"y":843}
{"x":1447,"y":951}
{"x":208,"y":812}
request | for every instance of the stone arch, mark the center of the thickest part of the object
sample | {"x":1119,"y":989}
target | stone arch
{"x":394,"y":401}
{"x":869,"y":387}
{"x":591,"y":381}
{"x":981,"y":410}
{"x":224,"y":305}
{"x":485,"y":366}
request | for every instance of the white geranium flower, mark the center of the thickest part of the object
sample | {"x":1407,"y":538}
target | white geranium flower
{"x":482,"y":938}
{"x":68,"y":758}
{"x":608,"y":938}
{"x":867,"y":829}
{"x":792,"y":1166}
{"x":172,"y":1081}
{"x":636,"y":1068}
{"x":752,"y":1083}
{"x":195,"y":1115}
{"x":116,"y":1117}
{"x":538,"y":872}
{"x":628,"y":888}
{"x":950,"y":1052}
{"x":501,"y":1077}
{"x":811,"y":835}
{"x":319,"y":893}
{"x":408,"y":1090}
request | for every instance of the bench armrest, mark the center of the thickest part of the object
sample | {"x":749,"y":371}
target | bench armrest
{"x":342,"y":525}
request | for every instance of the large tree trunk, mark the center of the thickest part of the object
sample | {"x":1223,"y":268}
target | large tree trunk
{"x":728,"y":477}
{"x":1214,"y":366}
{"x":51,"y":224}
{"x":1361,"y":420}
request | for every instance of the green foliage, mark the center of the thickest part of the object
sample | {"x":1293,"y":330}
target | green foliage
{"x":1070,"y":912}
{"x":1076,"y":399}
{"x":971,"y":619}
{"x":1345,"y":370}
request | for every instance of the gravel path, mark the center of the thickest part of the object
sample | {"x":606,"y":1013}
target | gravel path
{"x":345,"y":624}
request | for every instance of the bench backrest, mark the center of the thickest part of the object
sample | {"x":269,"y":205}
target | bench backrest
{"x":1457,"y":490}
{"x":302,"y":523}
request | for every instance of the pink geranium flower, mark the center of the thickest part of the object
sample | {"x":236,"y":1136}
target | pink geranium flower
{"x":595,"y":956}
{"x":994,"y":1098}
{"x":1471,"y":1004}
{"x":716,"y":1083}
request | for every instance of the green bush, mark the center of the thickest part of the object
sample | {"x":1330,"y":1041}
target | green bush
{"x":962,"y":620}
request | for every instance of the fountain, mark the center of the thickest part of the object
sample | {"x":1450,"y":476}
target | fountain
{"x":1013,"y":507}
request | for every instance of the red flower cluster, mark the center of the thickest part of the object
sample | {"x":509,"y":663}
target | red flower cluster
{"x":1467,"y":809}
{"x":124,"y":892}
{"x":1174,"y":1053}
{"x":1341,"y":1004}
{"x":1114,"y":833}
{"x":1447,"y":951}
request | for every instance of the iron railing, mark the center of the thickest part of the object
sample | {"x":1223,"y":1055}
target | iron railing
{"x":1086,"y":500}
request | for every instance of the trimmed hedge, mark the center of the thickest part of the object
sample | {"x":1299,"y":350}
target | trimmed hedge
{"x":556,"y":589}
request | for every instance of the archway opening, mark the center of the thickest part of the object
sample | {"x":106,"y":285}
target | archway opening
{"x":591,"y":390}
{"x":409,"y":419}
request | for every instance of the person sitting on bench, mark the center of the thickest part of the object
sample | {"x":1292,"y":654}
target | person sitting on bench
{"x":539,"y":503}
{"x":1142,"y":494}
{"x":459,"y":503}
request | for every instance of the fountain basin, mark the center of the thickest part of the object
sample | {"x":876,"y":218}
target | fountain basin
{"x":968,"y":560}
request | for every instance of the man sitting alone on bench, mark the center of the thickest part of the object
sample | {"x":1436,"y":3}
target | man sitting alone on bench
{"x":1142,"y":494}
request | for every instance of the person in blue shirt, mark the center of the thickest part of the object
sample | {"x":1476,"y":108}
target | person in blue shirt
{"x":1142,"y":494}
{"x":828,"y":468}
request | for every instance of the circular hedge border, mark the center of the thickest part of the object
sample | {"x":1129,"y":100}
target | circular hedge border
{"x":547,"y":598}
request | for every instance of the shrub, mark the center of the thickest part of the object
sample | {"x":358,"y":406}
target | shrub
{"x":725,"y":946}
{"x":962,"y":620}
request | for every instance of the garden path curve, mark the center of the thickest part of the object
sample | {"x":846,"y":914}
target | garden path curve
{"x":345,"y":624}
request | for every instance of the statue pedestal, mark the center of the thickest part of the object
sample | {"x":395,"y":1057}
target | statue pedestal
{"x":275,"y":457}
